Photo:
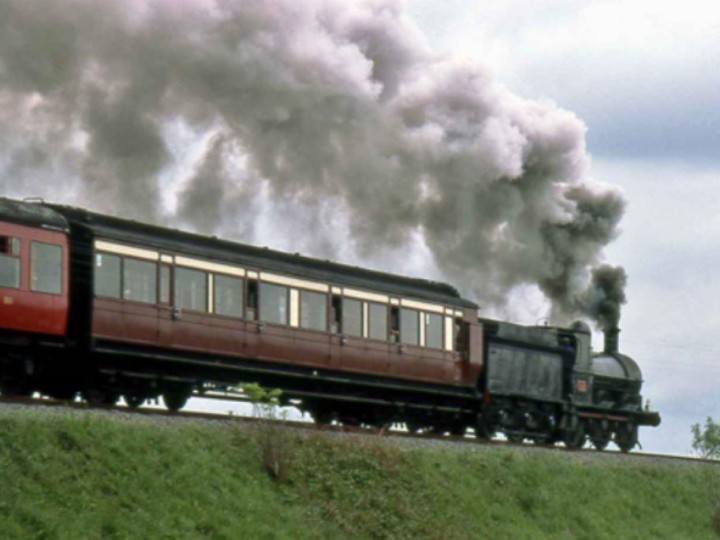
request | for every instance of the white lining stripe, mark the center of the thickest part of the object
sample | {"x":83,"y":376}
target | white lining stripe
{"x":292,"y":282}
{"x":120,"y":249}
{"x":422,"y":305}
{"x":209,"y":266}
{"x":361,"y":295}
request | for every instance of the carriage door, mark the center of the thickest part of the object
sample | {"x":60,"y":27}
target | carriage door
{"x":165,"y":309}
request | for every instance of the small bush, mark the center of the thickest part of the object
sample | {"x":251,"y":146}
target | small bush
{"x":273,"y":438}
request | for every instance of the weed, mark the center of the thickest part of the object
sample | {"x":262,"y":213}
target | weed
{"x":274,"y":440}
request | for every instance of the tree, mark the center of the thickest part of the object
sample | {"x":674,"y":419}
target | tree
{"x":706,"y":441}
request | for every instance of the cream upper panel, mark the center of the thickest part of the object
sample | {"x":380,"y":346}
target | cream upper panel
{"x":120,"y":249}
{"x":269,"y":277}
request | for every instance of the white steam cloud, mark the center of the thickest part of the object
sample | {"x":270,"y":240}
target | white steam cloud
{"x":335,"y":108}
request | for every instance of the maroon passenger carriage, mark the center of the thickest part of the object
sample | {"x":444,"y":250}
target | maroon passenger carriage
{"x":108,"y":307}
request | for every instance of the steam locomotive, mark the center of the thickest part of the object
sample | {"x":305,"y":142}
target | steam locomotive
{"x":106,"y":307}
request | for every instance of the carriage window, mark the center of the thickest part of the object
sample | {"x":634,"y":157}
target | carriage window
{"x":45,"y":268}
{"x":313,"y":310}
{"x":139,"y":281}
{"x":273,"y":303}
{"x":228,"y":296}
{"x":190,"y":289}
{"x":164,"y":284}
{"x":378,"y":321}
{"x":409,"y":327}
{"x":433,"y":330}
{"x":352,"y":316}
{"x":9,"y":262}
{"x":107,"y":275}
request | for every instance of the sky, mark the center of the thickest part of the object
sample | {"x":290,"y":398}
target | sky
{"x":644,"y":77}
{"x":509,"y":147}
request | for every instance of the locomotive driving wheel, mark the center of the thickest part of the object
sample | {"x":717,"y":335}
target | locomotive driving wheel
{"x":599,"y":436}
{"x":626,"y":437}
{"x":515,"y":438}
{"x":575,"y":437}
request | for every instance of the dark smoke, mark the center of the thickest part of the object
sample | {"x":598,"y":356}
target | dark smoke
{"x":334,"y":117}
{"x":605,"y":296}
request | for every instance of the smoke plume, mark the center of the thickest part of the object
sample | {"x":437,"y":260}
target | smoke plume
{"x":333,"y":115}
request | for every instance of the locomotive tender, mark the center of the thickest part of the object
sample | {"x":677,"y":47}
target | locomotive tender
{"x":108,"y":307}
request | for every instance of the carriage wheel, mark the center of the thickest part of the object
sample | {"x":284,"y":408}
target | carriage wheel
{"x":133,"y":400}
{"x":176,"y":398}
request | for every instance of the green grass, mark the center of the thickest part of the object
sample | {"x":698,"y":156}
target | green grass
{"x":97,"y":477}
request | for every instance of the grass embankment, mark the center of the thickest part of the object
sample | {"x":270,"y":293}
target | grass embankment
{"x":97,"y":477}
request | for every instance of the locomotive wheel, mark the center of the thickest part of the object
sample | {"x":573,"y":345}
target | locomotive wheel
{"x":601,"y":441}
{"x":626,"y":437}
{"x":515,"y":438}
{"x":485,"y":428}
{"x":541,"y":439}
{"x":599,"y":436}
{"x":575,"y":438}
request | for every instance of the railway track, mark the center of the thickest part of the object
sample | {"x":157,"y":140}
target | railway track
{"x":392,"y":433}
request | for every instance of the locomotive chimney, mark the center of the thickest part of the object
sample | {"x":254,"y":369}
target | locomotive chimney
{"x":612,"y":340}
